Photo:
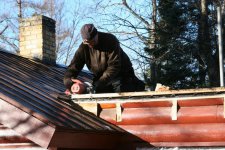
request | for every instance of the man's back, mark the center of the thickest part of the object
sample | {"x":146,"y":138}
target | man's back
{"x":104,"y":57}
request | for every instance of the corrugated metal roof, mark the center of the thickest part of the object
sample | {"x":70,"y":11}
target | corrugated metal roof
{"x":33,"y":87}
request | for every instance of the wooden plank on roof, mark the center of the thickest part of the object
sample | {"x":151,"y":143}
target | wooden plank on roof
{"x":174,"y":110}
{"x":118,"y":112}
{"x":149,"y":93}
{"x":182,"y":100}
{"x":91,"y":107}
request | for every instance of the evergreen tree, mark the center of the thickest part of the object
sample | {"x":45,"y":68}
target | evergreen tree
{"x":185,"y":54}
{"x":174,"y":64}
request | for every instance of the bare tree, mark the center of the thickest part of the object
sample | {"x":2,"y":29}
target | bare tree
{"x":8,"y":32}
{"x":134,"y":23}
{"x":19,"y":3}
{"x":66,"y":36}
{"x":3,"y":30}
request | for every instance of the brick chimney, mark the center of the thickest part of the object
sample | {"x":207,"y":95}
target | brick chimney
{"x":37,"y":39}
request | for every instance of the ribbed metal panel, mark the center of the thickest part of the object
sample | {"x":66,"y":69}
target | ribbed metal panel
{"x":32,"y":85}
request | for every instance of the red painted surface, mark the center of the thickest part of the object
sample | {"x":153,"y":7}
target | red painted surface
{"x":201,"y":102}
{"x":185,"y":144}
{"x":179,"y":132}
{"x":140,"y":103}
{"x":146,"y":104}
{"x":199,"y":122}
{"x":29,"y":105}
{"x":162,"y":115}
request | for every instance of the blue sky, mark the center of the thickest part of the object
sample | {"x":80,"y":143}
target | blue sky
{"x":90,"y":14}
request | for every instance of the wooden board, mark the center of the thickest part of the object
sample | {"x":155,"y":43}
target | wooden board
{"x":181,"y":99}
{"x":149,"y":93}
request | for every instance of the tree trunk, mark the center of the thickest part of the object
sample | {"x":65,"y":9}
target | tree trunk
{"x":152,"y":45}
{"x":223,"y":24}
{"x":19,"y":3}
{"x":205,"y":46}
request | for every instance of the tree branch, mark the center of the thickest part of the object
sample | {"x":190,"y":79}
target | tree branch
{"x":1,"y":32}
{"x":135,"y":14}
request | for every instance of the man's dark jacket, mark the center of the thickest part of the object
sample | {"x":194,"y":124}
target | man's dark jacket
{"x":106,"y":60}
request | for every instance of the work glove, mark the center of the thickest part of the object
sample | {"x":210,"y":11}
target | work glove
{"x":67,"y":92}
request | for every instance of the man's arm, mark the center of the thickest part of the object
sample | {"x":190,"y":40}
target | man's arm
{"x":74,"y":68}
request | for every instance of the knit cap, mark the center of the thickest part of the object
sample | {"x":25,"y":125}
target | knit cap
{"x":88,"y":31}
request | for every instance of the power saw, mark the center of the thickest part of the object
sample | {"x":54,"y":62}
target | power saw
{"x":80,"y":87}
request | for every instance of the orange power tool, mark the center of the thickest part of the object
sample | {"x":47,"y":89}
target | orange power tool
{"x":78,"y":87}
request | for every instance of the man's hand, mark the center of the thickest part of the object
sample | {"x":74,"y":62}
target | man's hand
{"x":67,"y":92}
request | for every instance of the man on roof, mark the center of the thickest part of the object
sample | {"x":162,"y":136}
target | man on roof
{"x":103,"y":56}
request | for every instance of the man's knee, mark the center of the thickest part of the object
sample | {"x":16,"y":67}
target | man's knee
{"x":116,"y":85}
{"x":133,"y":85}
{"x":140,"y":85}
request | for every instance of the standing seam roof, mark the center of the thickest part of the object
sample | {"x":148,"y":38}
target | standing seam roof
{"x":33,"y":87}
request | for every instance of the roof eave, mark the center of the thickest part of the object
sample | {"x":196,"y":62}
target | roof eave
{"x":25,"y":124}
{"x":86,"y":139}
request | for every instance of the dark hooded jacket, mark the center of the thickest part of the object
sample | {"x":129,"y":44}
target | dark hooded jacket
{"x":106,"y":60}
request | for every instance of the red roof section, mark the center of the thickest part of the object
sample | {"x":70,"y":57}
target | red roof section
{"x":28,"y":92}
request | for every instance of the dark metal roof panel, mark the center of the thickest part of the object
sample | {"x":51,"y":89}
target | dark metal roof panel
{"x":32,"y":85}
